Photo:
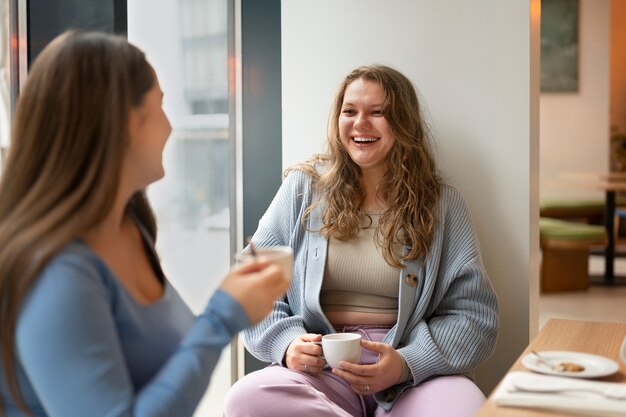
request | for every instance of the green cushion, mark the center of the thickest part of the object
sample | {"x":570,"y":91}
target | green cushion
{"x":559,"y":229}
{"x":550,"y":204}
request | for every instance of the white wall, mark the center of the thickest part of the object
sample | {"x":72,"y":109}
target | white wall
{"x":574,"y":132}
{"x":471,"y":62}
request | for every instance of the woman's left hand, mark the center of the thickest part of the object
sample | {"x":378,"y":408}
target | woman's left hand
{"x":368,"y":379}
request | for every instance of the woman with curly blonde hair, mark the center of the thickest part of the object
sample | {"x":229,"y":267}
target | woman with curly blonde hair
{"x":384,"y":248}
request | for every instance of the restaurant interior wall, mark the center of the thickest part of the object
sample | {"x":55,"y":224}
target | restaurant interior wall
{"x":618,"y":66}
{"x":574,"y":128}
{"x":480,"y":86}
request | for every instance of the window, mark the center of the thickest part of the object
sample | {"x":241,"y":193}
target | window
{"x":186,"y":41}
{"x":5,"y":95}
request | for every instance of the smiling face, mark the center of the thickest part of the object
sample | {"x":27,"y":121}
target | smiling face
{"x":364,"y":130}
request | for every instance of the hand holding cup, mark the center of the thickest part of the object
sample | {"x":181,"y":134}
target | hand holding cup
{"x":276,"y":255}
{"x":304,"y":354}
{"x":256,"y":285}
{"x":338,"y":347}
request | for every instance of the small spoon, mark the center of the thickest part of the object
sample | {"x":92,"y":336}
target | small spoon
{"x":546,"y":363}
{"x":253,"y":250}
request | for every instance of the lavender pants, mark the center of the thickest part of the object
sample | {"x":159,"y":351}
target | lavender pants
{"x":276,"y":391}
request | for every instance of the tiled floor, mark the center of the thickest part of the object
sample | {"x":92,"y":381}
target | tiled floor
{"x":597,"y":304}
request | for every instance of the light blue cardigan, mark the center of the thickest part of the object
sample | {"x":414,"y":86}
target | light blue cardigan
{"x":447,"y":314}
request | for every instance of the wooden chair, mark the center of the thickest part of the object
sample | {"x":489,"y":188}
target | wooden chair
{"x":565,"y":253}
{"x":578,"y":210}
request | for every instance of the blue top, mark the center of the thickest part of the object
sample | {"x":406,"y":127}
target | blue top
{"x":87,"y":348}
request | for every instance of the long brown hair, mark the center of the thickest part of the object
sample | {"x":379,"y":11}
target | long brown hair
{"x":69,"y":135}
{"x":411,"y":185}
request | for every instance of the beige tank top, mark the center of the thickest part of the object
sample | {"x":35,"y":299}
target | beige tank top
{"x":356,"y":276}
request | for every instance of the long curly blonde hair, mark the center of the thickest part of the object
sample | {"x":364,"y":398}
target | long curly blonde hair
{"x":410,"y":187}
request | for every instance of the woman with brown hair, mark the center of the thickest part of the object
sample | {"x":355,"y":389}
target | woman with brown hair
{"x":90,"y":324}
{"x":382,"y":247}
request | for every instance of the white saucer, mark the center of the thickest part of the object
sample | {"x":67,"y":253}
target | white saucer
{"x":595,"y":366}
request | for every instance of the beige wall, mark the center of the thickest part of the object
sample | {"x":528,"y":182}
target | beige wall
{"x":618,"y":65}
{"x":472,"y":63}
{"x":574,"y":131}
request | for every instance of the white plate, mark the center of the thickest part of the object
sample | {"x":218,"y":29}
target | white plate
{"x":595,"y":366}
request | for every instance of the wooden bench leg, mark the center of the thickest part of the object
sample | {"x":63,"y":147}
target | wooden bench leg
{"x":564,"y":270}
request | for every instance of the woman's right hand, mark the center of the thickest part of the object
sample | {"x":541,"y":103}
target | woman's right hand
{"x":304,"y":356}
{"x":256,"y":285}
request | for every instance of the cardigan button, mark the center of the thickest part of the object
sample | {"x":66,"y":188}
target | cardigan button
{"x":411,"y":280}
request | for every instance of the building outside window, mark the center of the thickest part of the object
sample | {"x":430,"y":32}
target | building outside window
{"x":186,"y":41}
{"x":5,"y":95}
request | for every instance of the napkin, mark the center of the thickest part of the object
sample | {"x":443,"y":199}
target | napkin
{"x":573,"y":402}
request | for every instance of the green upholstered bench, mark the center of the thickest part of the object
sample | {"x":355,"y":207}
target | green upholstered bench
{"x":565,"y":247}
{"x":584,"y":211}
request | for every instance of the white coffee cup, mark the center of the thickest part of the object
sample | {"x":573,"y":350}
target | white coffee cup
{"x":622,"y":351}
{"x":339,"y":347}
{"x":277,"y":255}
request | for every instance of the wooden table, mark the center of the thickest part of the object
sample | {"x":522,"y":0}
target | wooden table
{"x":610,"y":183}
{"x":598,"y":338}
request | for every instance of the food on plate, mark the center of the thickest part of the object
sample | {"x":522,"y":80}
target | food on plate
{"x":570,"y":367}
